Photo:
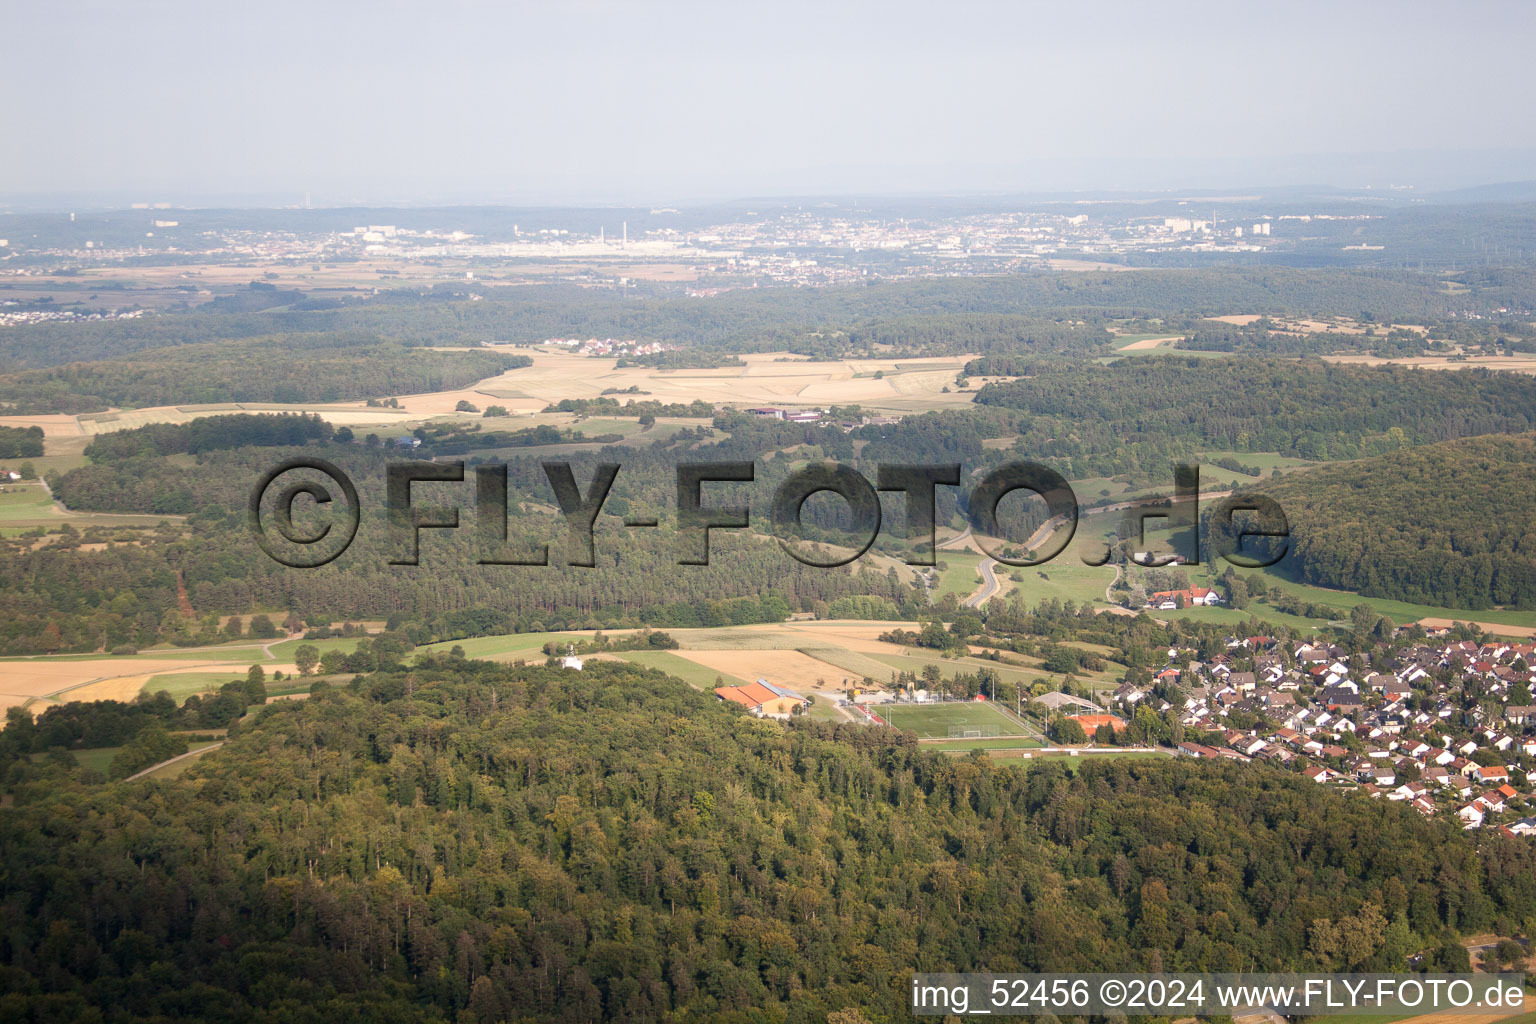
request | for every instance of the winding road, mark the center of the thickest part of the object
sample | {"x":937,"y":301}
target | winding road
{"x":989,"y":584}
{"x":987,"y":566}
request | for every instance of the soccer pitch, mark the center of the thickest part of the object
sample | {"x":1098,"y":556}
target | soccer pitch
{"x":935,"y":721}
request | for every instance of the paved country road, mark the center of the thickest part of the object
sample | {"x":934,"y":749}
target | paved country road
{"x":957,"y":541}
{"x":989,"y":585}
{"x":987,"y":567}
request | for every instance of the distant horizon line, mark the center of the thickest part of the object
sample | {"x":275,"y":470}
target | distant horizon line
{"x":111,"y":201}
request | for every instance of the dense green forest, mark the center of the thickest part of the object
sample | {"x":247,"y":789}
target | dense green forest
{"x":64,"y":597}
{"x":208,"y":433}
{"x":475,"y":842}
{"x":1450,"y":524}
{"x":287,"y":368}
{"x":1306,"y":408}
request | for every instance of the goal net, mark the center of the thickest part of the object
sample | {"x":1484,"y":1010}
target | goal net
{"x":973,"y":732}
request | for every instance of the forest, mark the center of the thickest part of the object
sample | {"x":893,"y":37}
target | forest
{"x":924,"y":316}
{"x":208,"y":433}
{"x":1451,"y":524}
{"x":1306,"y":408}
{"x":21,"y":442}
{"x":466,"y":841}
{"x":287,"y":368}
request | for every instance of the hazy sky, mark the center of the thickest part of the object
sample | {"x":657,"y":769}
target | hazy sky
{"x":654,"y":102}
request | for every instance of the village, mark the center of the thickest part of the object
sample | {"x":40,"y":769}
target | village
{"x":1446,"y":725}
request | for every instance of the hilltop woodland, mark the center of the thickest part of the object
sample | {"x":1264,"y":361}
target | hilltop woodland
{"x":468,"y":841}
{"x":1450,"y":524}
{"x":1306,"y":408}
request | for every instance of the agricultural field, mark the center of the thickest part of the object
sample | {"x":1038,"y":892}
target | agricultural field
{"x":794,"y":654}
{"x":779,"y":666}
{"x":27,"y":505}
{"x":1513,"y":364}
{"x":960,"y":575}
{"x":768,"y":378}
{"x":858,"y":664}
{"x":1063,"y":578}
{"x":691,"y":672}
{"x":181,"y":685}
{"x":765,"y":378}
{"x":504,"y":647}
{"x":25,"y":502}
{"x":1214,"y":479}
{"x":1145,"y":342}
{"x":1400,"y":612}
{"x":916,"y":659}
{"x":37,"y":681}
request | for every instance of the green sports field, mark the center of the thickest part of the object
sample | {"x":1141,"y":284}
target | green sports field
{"x":934,"y":721}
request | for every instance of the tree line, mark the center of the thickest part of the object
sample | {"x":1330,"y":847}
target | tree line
{"x":288,"y":368}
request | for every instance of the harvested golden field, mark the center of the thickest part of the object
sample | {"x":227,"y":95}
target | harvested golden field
{"x":1459,"y":1018}
{"x":123,"y":688}
{"x":38,"y":677}
{"x":1146,"y":343}
{"x":105,"y":678}
{"x":1304,"y":325}
{"x":54,"y":424}
{"x":850,"y":634}
{"x":1496,"y":628}
{"x":1514,"y":364}
{"x":59,"y":427}
{"x":783,"y":668}
{"x":768,"y":378}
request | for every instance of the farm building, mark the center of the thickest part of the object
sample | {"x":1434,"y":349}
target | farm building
{"x":763,"y":698}
{"x":1166,"y":600}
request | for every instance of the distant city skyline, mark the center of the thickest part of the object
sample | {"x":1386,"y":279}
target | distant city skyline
{"x":595,"y":103}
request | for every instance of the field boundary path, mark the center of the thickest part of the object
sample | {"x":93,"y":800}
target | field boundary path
{"x":957,"y":541}
{"x":68,"y":513}
{"x":172,"y":760}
